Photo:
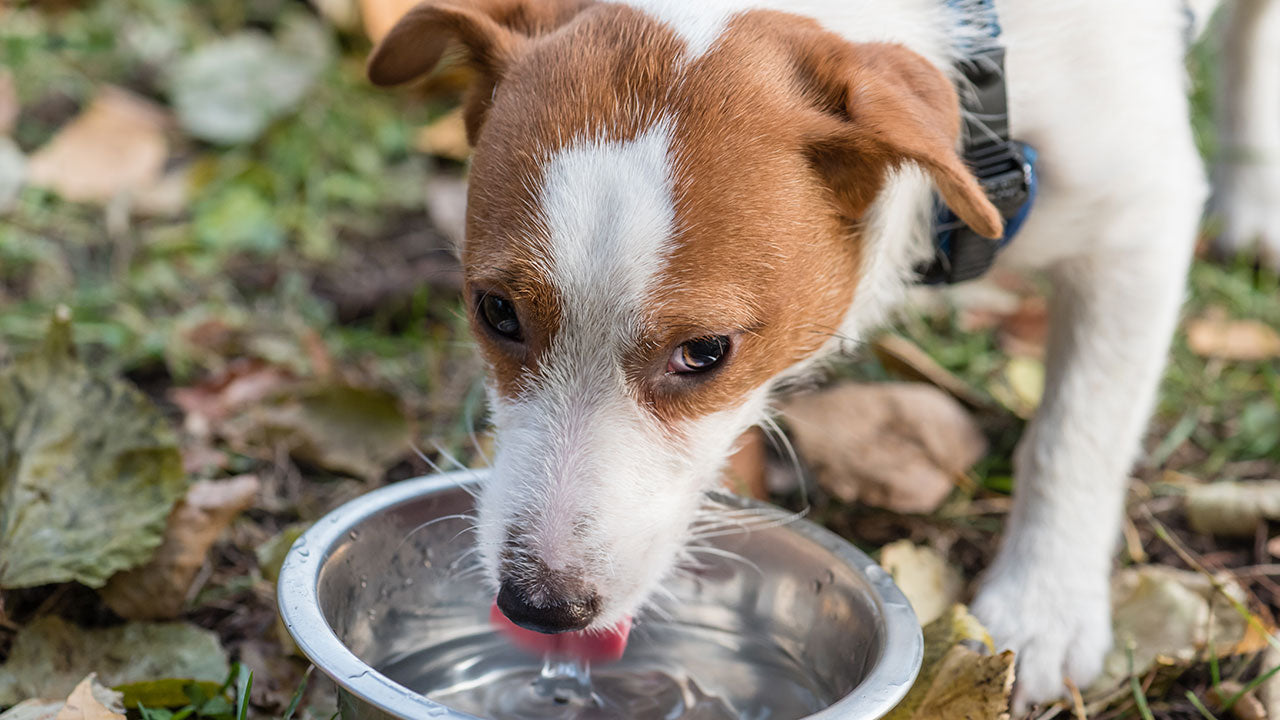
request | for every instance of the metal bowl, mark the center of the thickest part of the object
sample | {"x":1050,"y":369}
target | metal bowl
{"x":386,"y":579}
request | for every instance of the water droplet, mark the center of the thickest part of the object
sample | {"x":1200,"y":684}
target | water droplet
{"x":303,"y":552}
{"x":354,"y":534}
{"x":408,"y":582}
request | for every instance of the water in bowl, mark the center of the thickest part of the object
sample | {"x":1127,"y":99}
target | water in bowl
{"x":670,"y":672}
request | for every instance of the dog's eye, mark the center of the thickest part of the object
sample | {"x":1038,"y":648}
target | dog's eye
{"x":699,"y":355}
{"x":500,"y":315}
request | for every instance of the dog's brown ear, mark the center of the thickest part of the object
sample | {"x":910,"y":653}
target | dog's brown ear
{"x":884,"y":105}
{"x":492,"y":31}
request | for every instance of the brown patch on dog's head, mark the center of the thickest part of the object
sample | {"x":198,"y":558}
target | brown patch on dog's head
{"x":782,"y":136}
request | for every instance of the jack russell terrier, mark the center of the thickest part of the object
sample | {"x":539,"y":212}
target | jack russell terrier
{"x":676,"y":205}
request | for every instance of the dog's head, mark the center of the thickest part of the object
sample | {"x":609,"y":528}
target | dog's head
{"x":658,"y":229}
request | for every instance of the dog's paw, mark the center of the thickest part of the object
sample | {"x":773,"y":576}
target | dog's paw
{"x":1247,"y":206}
{"x":1059,"y":626}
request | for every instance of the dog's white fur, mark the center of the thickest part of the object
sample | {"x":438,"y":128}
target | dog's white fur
{"x":1098,"y":87}
{"x":1247,"y":175}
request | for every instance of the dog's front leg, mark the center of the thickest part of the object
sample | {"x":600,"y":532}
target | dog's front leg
{"x":1047,"y":594}
{"x":1247,"y":172}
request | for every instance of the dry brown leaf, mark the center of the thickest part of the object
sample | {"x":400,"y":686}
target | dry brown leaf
{"x":1232,"y":509}
{"x":446,"y":137}
{"x":117,"y":145}
{"x":930,"y":583}
{"x":898,"y":446}
{"x":214,"y":401}
{"x":1020,"y":386}
{"x":159,"y":589}
{"x":353,"y":430}
{"x":1169,"y":617}
{"x":955,"y":628}
{"x":34,"y":709}
{"x":9,"y":106}
{"x":969,"y":685}
{"x":1246,"y":707}
{"x":1225,"y":339}
{"x":906,"y":360}
{"x":90,"y":701}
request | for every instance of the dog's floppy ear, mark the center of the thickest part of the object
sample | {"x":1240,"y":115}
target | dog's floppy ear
{"x":492,"y":31}
{"x":884,"y":105}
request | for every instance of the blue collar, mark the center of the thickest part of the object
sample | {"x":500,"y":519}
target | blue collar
{"x":1006,"y":169}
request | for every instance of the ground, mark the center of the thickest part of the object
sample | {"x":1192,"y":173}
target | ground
{"x":228,"y":218}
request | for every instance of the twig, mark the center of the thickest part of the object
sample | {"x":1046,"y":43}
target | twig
{"x":1077,"y":700}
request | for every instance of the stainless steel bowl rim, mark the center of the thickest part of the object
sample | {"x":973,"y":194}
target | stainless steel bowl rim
{"x":298,"y":598}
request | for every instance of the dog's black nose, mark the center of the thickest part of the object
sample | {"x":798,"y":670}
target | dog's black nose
{"x":558,"y":616}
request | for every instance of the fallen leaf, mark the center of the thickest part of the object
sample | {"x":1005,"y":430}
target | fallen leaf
{"x":168,"y":196}
{"x":898,"y":446}
{"x":9,"y":106}
{"x":1225,"y":339}
{"x":969,"y":685}
{"x":955,"y":628}
{"x":1168,"y":616}
{"x":271,"y":554}
{"x":930,"y":583}
{"x":89,"y":469}
{"x":50,"y":655}
{"x":906,"y":360}
{"x":13,"y":173}
{"x":446,"y":137}
{"x":348,"y":429}
{"x":1232,"y":508}
{"x":34,"y":709}
{"x":243,"y":383}
{"x":88,"y":701}
{"x":1247,"y":706}
{"x":446,"y":197}
{"x":1021,"y":385}
{"x":116,"y":146}
{"x":91,"y":701}
{"x":167,"y":693}
{"x":159,"y":589}
{"x":229,"y":90}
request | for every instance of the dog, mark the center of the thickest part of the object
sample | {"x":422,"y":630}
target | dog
{"x":677,"y":206}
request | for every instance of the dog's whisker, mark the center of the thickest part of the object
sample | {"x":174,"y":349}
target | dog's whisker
{"x":726,"y":554}
{"x":469,"y":419}
{"x":782,"y":443}
{"x":440,"y":471}
{"x":429,"y":523}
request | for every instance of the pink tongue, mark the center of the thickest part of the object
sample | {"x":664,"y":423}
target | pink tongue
{"x":595,"y":646}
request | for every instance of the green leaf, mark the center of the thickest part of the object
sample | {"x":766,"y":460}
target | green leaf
{"x":244,"y":684}
{"x":89,"y":469}
{"x":230,"y":90}
{"x":169,"y":693}
{"x":50,"y":656}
